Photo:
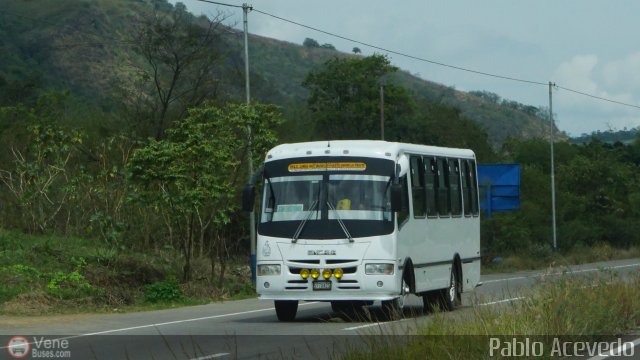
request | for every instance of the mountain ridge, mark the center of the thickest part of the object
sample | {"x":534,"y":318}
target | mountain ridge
{"x":85,"y":46}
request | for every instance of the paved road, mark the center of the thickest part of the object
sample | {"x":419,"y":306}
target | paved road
{"x":249,"y":328}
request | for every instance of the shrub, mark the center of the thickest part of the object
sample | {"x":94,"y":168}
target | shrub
{"x":162,"y":291}
{"x":67,"y":285}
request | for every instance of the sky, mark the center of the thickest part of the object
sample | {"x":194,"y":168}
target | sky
{"x":589,"y":46}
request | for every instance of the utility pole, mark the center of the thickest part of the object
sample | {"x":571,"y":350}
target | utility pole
{"x":252,"y":215}
{"x":553,"y":181}
{"x":382,"y":110}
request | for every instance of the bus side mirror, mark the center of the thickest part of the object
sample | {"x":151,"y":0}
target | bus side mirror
{"x":248,"y":197}
{"x":396,"y":197}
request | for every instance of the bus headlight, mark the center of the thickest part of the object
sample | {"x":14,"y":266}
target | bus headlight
{"x":268,"y":269}
{"x":378,"y":269}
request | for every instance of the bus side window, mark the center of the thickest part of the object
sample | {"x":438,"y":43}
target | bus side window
{"x":456,"y":195}
{"x":466,"y":188}
{"x":431,"y":180}
{"x":444,"y":196}
{"x":403,"y":214}
{"x":474,"y":188}
{"x":417,"y":187}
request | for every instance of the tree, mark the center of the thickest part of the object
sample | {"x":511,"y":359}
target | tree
{"x":328,"y":46}
{"x":486,"y":95}
{"x":37,"y":164}
{"x":356,"y":50}
{"x":441,"y":125}
{"x":309,"y":42}
{"x":191,"y":176}
{"x":345,"y":98}
{"x":181,"y":53}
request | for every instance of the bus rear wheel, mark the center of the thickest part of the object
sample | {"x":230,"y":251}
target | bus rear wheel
{"x":451,"y":297}
{"x":286,"y":309}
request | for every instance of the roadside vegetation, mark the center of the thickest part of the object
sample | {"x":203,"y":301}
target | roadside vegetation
{"x":566,"y":309}
{"x":48,"y":274}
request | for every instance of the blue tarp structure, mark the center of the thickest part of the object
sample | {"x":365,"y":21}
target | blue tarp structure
{"x":499,"y":187}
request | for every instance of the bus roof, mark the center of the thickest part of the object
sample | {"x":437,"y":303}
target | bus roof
{"x":363,"y":148}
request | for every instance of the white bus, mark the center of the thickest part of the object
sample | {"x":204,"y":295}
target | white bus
{"x":353,"y":222}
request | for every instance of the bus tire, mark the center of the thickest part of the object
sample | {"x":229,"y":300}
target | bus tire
{"x":394,"y":308}
{"x":451,"y":297}
{"x":286,"y":309}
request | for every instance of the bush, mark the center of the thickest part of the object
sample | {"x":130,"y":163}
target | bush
{"x":162,"y":291}
{"x":68,"y":285}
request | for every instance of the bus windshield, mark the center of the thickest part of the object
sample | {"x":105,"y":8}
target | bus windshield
{"x":289,"y":198}
{"x":361,"y":202}
{"x":359,"y":197}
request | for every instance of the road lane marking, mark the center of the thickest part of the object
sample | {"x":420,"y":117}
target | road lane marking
{"x":212,"y":356}
{"x":391,"y":322}
{"x":502,"y":301}
{"x":183,"y":321}
{"x":373,"y":324}
{"x":165,"y":323}
{"x":561,"y":273}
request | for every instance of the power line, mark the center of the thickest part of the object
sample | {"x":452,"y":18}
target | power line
{"x":223,"y":4}
{"x":598,"y":97}
{"x":403,"y":54}
{"x":441,"y":63}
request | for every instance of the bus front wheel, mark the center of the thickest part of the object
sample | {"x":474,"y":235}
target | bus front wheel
{"x":394,"y":308}
{"x":286,"y":309}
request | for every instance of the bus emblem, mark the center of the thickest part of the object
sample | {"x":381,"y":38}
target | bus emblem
{"x":321,"y":252}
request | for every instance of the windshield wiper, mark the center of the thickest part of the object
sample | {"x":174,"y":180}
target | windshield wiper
{"x":342,"y":225}
{"x":303,"y":222}
{"x":273,"y":194}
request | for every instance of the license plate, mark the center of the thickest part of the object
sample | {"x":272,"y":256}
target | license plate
{"x":322,"y":285}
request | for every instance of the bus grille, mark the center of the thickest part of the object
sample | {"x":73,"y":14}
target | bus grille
{"x":342,"y":284}
{"x":296,"y":270}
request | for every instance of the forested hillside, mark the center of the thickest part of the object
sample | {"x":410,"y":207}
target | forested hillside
{"x":90,"y":48}
{"x":610,"y":136}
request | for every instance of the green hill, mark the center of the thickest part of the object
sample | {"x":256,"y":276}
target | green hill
{"x":87,"y":47}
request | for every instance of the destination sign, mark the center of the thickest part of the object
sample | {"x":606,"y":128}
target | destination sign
{"x":328,"y":166}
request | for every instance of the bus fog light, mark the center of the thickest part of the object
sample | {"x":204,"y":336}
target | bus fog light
{"x":338,"y":273}
{"x":267,"y":285}
{"x":326,"y":273}
{"x":304,"y":273}
{"x":380,"y":284}
{"x":378,"y":269}
{"x":268,"y":269}
{"x":315,"y":273}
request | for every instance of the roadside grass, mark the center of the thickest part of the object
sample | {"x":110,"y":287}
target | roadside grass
{"x":571,"y":309}
{"x":47,"y":275}
{"x":541,"y":258}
